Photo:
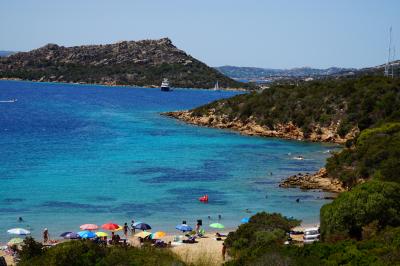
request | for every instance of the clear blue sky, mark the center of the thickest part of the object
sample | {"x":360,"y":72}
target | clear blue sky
{"x":275,"y":34}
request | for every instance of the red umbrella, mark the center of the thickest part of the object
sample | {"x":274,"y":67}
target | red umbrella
{"x":110,"y":226}
{"x":89,"y":227}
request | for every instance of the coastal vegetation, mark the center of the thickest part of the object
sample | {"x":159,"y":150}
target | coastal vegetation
{"x":256,"y":244}
{"x":339,"y":107}
{"x":141,"y":63}
{"x":374,"y":154}
{"x":86,"y":252}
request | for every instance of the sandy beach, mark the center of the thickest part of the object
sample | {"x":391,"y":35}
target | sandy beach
{"x":207,"y":250}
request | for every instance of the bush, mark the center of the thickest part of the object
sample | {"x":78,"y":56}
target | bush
{"x":86,"y":252}
{"x":376,"y":153}
{"x":264,"y":231}
{"x":372,"y":202}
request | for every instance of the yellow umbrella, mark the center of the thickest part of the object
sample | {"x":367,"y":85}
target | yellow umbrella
{"x":143,"y":234}
{"x":101,"y":234}
{"x":158,"y":235}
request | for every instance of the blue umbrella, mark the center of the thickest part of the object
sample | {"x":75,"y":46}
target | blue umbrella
{"x":70,"y":235}
{"x":184,"y":227}
{"x":143,"y":226}
{"x":86,"y":234}
{"x":245,"y":220}
{"x":136,"y":223}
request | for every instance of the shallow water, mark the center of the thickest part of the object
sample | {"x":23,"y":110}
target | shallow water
{"x":74,"y":154}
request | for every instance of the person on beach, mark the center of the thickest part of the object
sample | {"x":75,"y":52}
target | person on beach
{"x":223,"y":251}
{"x":219,"y":217}
{"x":112,"y":237}
{"x":133,"y":230}
{"x":45,"y":235}
{"x":126,"y":229}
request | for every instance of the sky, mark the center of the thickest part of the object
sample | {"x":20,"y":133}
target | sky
{"x":259,"y":33}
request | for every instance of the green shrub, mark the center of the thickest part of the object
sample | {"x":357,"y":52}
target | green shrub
{"x":371,"y":202}
{"x":87,"y":253}
{"x":375,"y":153}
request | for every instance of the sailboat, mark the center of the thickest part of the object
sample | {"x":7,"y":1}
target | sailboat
{"x":216,"y":87}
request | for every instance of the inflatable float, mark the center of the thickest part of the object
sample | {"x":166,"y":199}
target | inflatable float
{"x":204,"y":198}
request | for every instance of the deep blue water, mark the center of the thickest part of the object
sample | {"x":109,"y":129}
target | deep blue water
{"x":74,"y":154}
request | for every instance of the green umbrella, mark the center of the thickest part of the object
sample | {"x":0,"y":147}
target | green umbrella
{"x":217,"y":225}
{"x":15,"y":241}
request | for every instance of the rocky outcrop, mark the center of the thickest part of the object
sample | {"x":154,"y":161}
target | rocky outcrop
{"x":319,"y":180}
{"x":251,"y":128}
{"x":142,"y":63}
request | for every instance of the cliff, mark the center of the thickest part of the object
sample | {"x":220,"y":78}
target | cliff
{"x":141,"y":63}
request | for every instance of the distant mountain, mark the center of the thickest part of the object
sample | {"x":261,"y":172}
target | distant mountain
{"x":6,"y":53}
{"x":260,"y":73}
{"x":141,"y":63}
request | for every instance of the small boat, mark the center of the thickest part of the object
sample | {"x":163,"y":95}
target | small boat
{"x":9,"y":101}
{"x":298,"y":157}
{"x":165,"y":85}
{"x":216,"y":87}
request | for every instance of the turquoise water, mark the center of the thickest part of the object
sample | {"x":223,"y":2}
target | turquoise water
{"x":75,"y":154}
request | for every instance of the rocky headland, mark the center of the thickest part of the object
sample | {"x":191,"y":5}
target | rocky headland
{"x":251,"y":128}
{"x":134,"y":63}
{"x":319,"y":180}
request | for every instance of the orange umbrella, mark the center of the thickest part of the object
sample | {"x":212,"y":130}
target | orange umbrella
{"x":89,"y":227}
{"x":110,"y":226}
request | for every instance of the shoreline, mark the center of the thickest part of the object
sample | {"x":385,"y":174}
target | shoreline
{"x":121,"y":85}
{"x":251,"y":128}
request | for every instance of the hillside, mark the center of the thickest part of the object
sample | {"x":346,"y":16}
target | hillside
{"x":260,"y":73}
{"x":141,"y":63}
{"x":329,"y":110}
{"x":255,"y":74}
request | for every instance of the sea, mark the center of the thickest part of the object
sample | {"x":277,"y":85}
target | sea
{"x":75,"y":154}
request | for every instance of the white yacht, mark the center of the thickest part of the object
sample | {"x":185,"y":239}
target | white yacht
{"x":165,"y":85}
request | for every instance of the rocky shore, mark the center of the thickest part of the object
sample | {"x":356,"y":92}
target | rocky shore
{"x":319,"y":180}
{"x":251,"y":128}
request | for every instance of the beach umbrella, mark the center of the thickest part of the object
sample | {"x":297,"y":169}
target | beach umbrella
{"x":157,"y":235}
{"x":70,"y":235}
{"x":118,"y":229}
{"x":136,"y":223}
{"x":245,"y":220}
{"x":217,"y":226}
{"x":110,"y":226}
{"x":88,"y":227}
{"x":15,"y":241}
{"x":86,"y":234}
{"x":143,"y":234}
{"x":18,"y":231}
{"x":183,"y":227}
{"x":143,"y":226}
{"x":101,"y":234}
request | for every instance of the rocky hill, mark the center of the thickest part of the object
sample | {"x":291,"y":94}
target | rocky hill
{"x":142,"y":63}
